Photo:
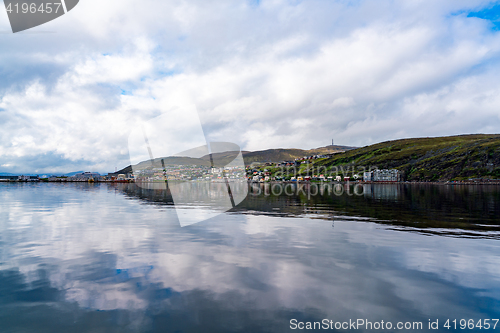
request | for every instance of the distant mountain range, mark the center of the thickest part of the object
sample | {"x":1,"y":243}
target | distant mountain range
{"x":71,"y":173}
{"x":39,"y":174}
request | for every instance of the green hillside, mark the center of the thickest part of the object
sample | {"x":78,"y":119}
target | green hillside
{"x":459,"y":157}
{"x":272,"y":155}
{"x":428,"y":159}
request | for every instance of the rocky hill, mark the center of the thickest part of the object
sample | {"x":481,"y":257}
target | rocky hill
{"x":278,"y":155}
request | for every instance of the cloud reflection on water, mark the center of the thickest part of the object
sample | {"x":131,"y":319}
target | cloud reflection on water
{"x":69,"y":250}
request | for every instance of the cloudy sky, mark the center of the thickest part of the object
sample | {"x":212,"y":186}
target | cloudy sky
{"x":262,"y":74}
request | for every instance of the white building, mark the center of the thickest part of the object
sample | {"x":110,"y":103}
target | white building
{"x":367,"y":176}
{"x":28,"y":178}
{"x":384,"y":175}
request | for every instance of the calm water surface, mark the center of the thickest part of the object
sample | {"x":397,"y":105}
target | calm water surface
{"x":113,"y":258}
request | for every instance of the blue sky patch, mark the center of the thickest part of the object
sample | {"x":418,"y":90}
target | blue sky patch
{"x":254,"y":3}
{"x":168,"y":73}
{"x":491,"y":13}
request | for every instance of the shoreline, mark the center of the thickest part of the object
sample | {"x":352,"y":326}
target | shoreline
{"x":492,"y":182}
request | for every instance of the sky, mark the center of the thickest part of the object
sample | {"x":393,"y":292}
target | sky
{"x":260,"y":74}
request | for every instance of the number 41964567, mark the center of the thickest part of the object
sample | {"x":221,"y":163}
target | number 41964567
{"x":470,"y":324}
{"x":33,"y":8}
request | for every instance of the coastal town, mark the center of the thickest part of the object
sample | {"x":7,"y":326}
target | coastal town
{"x":474,"y":159}
{"x":215,"y":175}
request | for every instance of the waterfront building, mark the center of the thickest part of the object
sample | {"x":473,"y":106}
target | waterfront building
{"x":367,"y":176}
{"x":8,"y":178}
{"x":24,"y":178}
{"x":385,"y":175}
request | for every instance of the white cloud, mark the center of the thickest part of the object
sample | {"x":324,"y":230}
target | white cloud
{"x":281,"y":74}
